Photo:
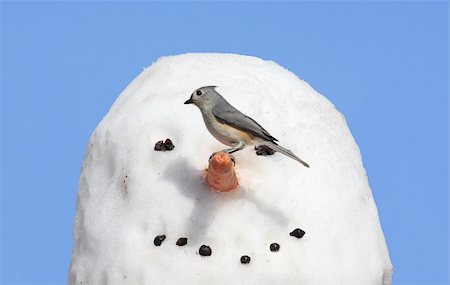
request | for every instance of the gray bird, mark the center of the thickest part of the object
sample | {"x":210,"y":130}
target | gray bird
{"x":231,"y":127}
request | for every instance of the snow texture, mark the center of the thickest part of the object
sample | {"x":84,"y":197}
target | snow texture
{"x":129,"y":193}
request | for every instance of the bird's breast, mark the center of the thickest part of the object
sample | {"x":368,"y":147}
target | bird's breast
{"x":224,"y":133}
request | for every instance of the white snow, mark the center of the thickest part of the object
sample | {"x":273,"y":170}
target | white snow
{"x":129,"y":193}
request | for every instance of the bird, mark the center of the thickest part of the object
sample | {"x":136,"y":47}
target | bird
{"x":230,"y":126}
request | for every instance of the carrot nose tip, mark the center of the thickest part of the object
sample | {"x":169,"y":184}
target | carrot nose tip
{"x":221,"y":175}
{"x":222,"y":160}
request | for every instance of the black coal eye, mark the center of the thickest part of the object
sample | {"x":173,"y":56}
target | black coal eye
{"x":199,"y":92}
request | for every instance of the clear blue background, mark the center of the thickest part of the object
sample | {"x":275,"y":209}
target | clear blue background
{"x":384,"y":65}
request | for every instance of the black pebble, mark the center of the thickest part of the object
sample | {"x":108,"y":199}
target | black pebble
{"x":274,"y":247}
{"x":164,"y":145}
{"x":182,"y":241}
{"x":298,"y":233}
{"x":205,"y":250}
{"x":264,"y":150}
{"x":159,"y":146}
{"x":159,"y":239}
{"x":245,"y":259}
{"x":168,"y":145}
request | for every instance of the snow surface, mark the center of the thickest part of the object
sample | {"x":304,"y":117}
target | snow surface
{"x":129,"y":193}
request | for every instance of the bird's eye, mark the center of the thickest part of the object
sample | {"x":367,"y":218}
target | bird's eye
{"x":199,"y":92}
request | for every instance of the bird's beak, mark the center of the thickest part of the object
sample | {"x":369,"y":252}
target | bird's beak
{"x":189,"y":101}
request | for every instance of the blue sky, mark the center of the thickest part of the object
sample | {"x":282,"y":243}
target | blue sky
{"x":383,"y":64}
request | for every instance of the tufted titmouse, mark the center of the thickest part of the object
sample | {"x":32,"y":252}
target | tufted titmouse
{"x":229,"y":126}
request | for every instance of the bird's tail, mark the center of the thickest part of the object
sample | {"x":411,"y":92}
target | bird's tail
{"x":284,"y":151}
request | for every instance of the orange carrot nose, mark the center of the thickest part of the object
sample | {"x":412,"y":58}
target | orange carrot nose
{"x":220,"y":175}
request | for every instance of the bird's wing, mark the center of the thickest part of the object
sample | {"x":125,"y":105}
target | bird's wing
{"x":227,"y":114}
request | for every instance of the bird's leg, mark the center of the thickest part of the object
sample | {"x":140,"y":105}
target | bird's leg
{"x":238,"y":147}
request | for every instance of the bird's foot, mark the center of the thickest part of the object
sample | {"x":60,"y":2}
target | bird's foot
{"x":211,"y":156}
{"x":233,"y":159}
{"x":231,"y":156}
